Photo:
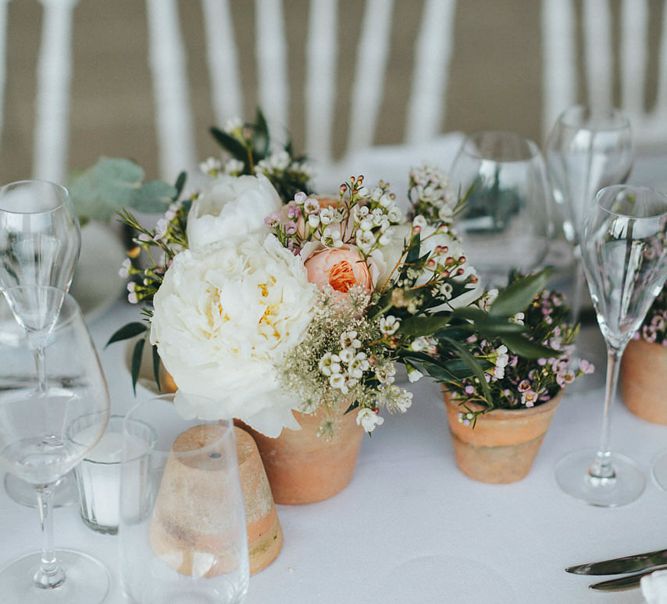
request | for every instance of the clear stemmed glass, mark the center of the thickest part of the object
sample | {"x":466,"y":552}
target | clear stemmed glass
{"x":43,"y":435}
{"x":40,"y":243}
{"x":625,"y":263}
{"x":505,"y":222}
{"x":585,"y":151}
{"x":182,"y":530}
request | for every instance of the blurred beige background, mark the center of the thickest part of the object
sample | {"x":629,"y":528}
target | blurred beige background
{"x":495,"y":73}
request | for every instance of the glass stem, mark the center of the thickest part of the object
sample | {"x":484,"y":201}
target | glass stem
{"x":602,"y":467}
{"x":40,"y":365}
{"x":49,"y":575}
{"x":579,"y":284}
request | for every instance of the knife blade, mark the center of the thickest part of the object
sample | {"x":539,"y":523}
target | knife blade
{"x":617,"y":566}
{"x":624,"y":583}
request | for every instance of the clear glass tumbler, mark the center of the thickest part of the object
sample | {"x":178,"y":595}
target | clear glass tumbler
{"x":182,"y":519}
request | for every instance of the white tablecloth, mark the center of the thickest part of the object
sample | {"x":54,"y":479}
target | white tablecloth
{"x":410,"y":528}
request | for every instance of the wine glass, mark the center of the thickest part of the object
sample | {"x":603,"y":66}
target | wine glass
{"x":505,"y":223}
{"x":43,"y":435}
{"x":182,"y":530}
{"x":586,"y":150}
{"x":625,"y":263}
{"x":40,"y":243}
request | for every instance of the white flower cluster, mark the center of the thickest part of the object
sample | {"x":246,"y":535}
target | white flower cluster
{"x":373,"y":216}
{"x":279,"y":162}
{"x":429,"y":194}
{"x":213,"y":167}
{"x":500,"y":359}
{"x":346,"y":368}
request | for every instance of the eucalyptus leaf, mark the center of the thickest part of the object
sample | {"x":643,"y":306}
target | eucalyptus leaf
{"x":517,"y":296}
{"x":137,"y":354}
{"x":127,"y":332}
{"x":106,"y":187}
{"x":153,"y":197}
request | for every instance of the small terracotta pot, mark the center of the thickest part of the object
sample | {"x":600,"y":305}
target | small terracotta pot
{"x":503,"y":444}
{"x":181,"y":529}
{"x":644,"y":380}
{"x":303,"y":467}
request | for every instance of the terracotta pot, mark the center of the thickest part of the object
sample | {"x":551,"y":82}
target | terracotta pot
{"x":503,"y":444}
{"x":644,"y":380}
{"x":303,"y":467}
{"x":177,"y":529}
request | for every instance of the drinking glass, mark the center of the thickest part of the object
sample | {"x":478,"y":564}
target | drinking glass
{"x":182,"y":526}
{"x":43,"y":435}
{"x":505,"y":223}
{"x":585,"y":151}
{"x":625,"y":263}
{"x":39,"y":246}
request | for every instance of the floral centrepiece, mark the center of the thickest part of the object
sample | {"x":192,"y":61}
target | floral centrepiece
{"x":271,"y":299}
{"x":517,"y":381}
{"x":496,"y":438}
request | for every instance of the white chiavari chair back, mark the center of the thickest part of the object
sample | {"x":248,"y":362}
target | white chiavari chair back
{"x":559,"y":32}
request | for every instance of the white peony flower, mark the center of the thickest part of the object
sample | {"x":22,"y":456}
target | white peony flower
{"x":231,"y":209}
{"x":368,"y":419}
{"x":223,"y":321}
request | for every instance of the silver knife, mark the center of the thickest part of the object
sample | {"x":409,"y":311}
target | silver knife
{"x":617,"y":566}
{"x":623,"y":583}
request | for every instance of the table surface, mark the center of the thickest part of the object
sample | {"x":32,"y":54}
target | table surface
{"x":411,"y":528}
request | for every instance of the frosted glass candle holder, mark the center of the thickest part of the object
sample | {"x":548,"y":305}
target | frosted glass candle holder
{"x":98,"y":475}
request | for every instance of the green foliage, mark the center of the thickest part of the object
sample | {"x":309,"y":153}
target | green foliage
{"x":250,"y":144}
{"x":127,"y":332}
{"x":113,"y":184}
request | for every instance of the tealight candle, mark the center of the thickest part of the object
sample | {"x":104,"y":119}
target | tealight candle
{"x":98,"y":475}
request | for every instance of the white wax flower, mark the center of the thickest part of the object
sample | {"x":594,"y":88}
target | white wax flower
{"x":231,"y":208}
{"x":369,"y":420}
{"x":224,"y":320}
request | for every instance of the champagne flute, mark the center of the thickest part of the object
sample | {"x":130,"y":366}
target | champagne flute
{"x":43,"y":435}
{"x":505,"y":222}
{"x":585,"y":151}
{"x":40,"y":243}
{"x":625,"y":263}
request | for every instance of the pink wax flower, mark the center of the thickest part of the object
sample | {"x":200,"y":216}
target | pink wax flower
{"x":342,"y":268}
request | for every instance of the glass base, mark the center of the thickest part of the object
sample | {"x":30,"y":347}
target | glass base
{"x":573,"y":478}
{"x":660,"y":470}
{"x":22,"y":492}
{"x":87,"y":580}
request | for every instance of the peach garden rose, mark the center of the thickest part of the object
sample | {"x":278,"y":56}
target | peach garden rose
{"x":342,"y":268}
